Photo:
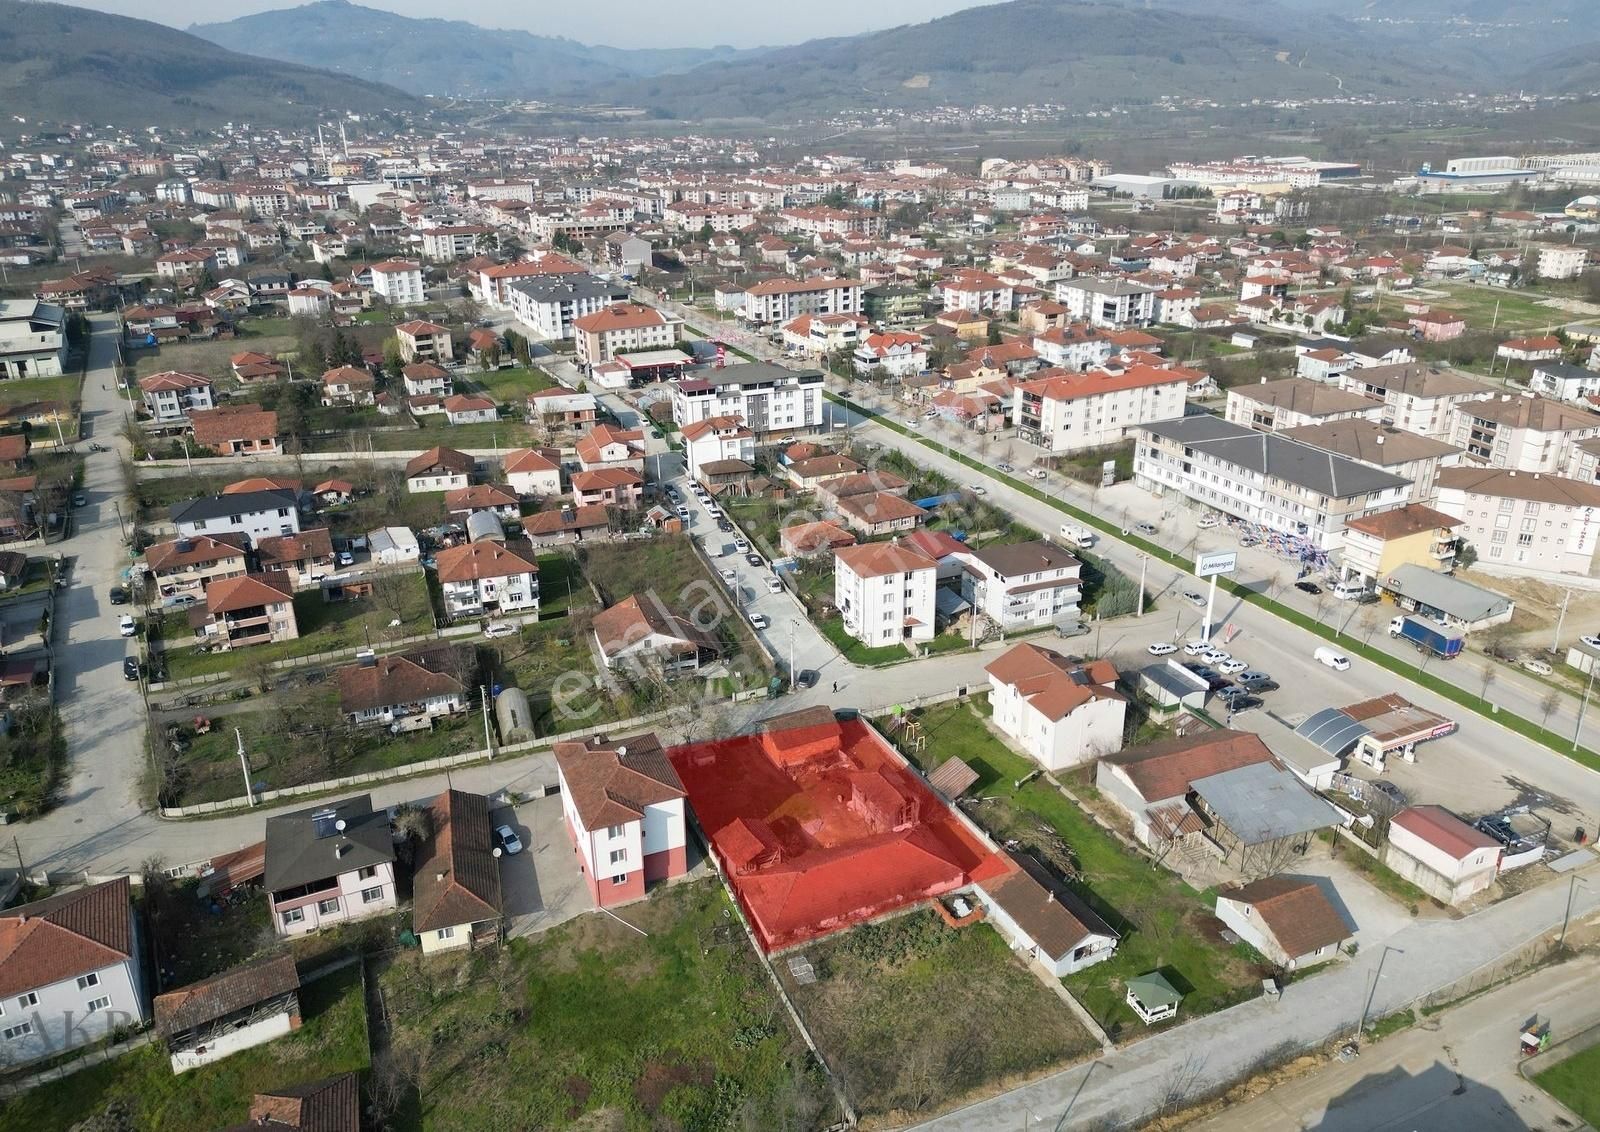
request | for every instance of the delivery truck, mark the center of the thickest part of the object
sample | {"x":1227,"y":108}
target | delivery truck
{"x":1428,"y":636}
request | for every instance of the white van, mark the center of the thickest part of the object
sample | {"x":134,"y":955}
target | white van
{"x":1078,"y":534}
{"x":1348,"y":592}
{"x":1333,"y":658}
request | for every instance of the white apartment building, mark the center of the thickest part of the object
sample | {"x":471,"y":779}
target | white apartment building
{"x":975,"y":291}
{"x":33,"y":339}
{"x":1279,"y":486}
{"x":482,"y":578}
{"x":1022,"y":585}
{"x":885,"y":593}
{"x":1417,"y":397}
{"x":1565,"y":382}
{"x":398,"y":281}
{"x":170,"y":396}
{"x":1531,"y":525}
{"x":1527,"y":433}
{"x":1058,"y":712}
{"x":1076,"y":346}
{"x":767,"y":397}
{"x":782,"y":300}
{"x":1108,"y":302}
{"x":622,"y":328}
{"x":1562,"y":261}
{"x":897,"y":353}
{"x":549,"y":305}
{"x":717,"y":438}
{"x":258,"y":514}
{"x":453,"y":241}
{"x":1071,"y":412}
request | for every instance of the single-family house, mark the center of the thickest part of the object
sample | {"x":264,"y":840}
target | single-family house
{"x":481,"y":578}
{"x":382,"y":689}
{"x":1059,"y":712}
{"x":533,"y":472}
{"x":1444,"y":856}
{"x":439,"y":469}
{"x":327,"y":864}
{"x":254,"y":609}
{"x":456,"y":879}
{"x":244,"y":1006}
{"x":1290,"y":920}
{"x":642,"y":630}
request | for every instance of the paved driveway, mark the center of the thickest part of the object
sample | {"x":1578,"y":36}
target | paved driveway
{"x":541,"y":886}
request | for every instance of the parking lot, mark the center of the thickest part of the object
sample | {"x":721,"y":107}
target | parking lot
{"x":541,"y":886}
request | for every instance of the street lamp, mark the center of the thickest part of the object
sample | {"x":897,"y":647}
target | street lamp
{"x":1372,"y":987}
{"x":1572,"y":887}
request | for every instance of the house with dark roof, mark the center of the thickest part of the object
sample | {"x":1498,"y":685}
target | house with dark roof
{"x":1057,"y":711}
{"x":70,"y":971}
{"x":1288,"y":919}
{"x":1045,"y":919}
{"x":456,"y":880}
{"x":328,"y":863}
{"x":241,"y":1007}
{"x":332,"y":1104}
{"x":255,"y":514}
{"x":1022,"y":585}
{"x":624,"y":808}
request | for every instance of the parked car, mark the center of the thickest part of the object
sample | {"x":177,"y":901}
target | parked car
{"x":724,"y":526}
{"x":119,"y":595}
{"x":1390,"y":791}
{"x":758,"y":621}
{"x":1195,"y":598}
{"x":1246,"y":702}
{"x":1004,"y":467}
{"x":774,"y":585}
{"x":127,"y":626}
{"x":806,"y":678}
{"x":506,"y":840}
{"x":499,"y":629}
{"x":1537,"y":667}
{"x":345,"y":558}
{"x":1216,"y":656}
{"x":728,"y":576}
{"x":741,"y":545}
{"x":1162,"y":648}
{"x":1195,"y":648}
{"x":754,"y":559}
{"x":1308,"y":588}
{"x":79,"y":499}
{"x":977,"y":489}
{"x":1146,"y":529}
{"x":130,"y":668}
{"x":179,"y":601}
{"x":1036,"y":473}
{"x":1231,"y":666}
{"x":1207,"y":522}
{"x":1252,"y":676}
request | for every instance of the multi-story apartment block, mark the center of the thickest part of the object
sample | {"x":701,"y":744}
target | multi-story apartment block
{"x":716,"y":439}
{"x":551,"y":305}
{"x":975,"y":291}
{"x":1074,"y":411}
{"x":767,"y":397}
{"x":1417,"y":397}
{"x":1375,"y":546}
{"x":1022,"y":585}
{"x":1524,"y":524}
{"x":1404,"y":454}
{"x":781,"y":300}
{"x":1108,"y":302}
{"x":398,"y":281}
{"x":1280,"y":486}
{"x":1527,"y":432}
{"x":481,"y":578}
{"x":622,"y":328}
{"x":1074,"y":346}
{"x":885,"y":593}
{"x":256,"y":514}
{"x":1562,"y":261}
{"x":1294,"y":402}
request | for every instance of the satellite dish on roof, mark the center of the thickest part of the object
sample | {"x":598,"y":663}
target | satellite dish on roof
{"x":339,"y":825}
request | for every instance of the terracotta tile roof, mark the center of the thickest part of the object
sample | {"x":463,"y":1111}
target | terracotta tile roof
{"x":202,"y":550}
{"x":1443,"y":830}
{"x":63,"y":936}
{"x":820,"y":467}
{"x":1511,"y":484}
{"x":449,"y":459}
{"x":173,"y":380}
{"x":802,"y":538}
{"x":283,"y":549}
{"x":457,"y":876}
{"x":481,"y":560}
{"x":404,"y":678}
{"x":730,"y":426}
{"x":1053,"y":685}
{"x":329,"y":1105}
{"x":1412,"y":519}
{"x":619,"y":316}
{"x":214,"y":427}
{"x":1164,"y":769}
{"x":227,"y":595}
{"x":424,"y":371}
{"x":590,"y":446}
{"x":13,"y":447}
{"x":479,"y":497}
{"x":601,"y":479}
{"x":874,"y":559}
{"x":879,"y":507}
{"x":217,"y":997}
{"x":1049,"y":913}
{"x":566,"y":519}
{"x":611,"y":783}
{"x":529,"y":460}
{"x":348,"y":375}
{"x":1295,"y":910}
{"x":467,"y":403}
{"x":262,"y":483}
{"x":634,"y":618}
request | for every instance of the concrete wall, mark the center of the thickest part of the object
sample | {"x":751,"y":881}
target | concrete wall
{"x":232,"y":1042}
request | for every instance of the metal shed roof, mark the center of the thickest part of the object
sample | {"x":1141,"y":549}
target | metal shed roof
{"x":1332,"y":730}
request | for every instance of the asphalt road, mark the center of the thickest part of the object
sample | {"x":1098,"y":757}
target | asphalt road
{"x":1457,"y":1070}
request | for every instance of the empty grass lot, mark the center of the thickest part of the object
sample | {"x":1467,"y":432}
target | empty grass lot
{"x":332,"y":1041}
{"x":1575,"y":1082}
{"x":1519,"y":310}
{"x":1165,"y":925}
{"x":508,"y":432}
{"x":913,"y":1015}
{"x":505,"y":385}
{"x":592,"y":1025}
{"x":26,"y":390}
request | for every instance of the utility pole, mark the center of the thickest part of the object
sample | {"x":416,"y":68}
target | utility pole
{"x":488,"y":743}
{"x":244,"y":765}
{"x":1144,"y":564}
{"x":1572,"y":888}
{"x":791,"y":655}
{"x":1583,"y":707}
{"x":1555,"y":641}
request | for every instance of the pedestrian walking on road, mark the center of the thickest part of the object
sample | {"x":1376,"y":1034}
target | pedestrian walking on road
{"x":836,"y":685}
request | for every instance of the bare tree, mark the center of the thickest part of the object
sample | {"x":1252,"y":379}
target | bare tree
{"x":1548,"y":705}
{"x":1486,"y":679}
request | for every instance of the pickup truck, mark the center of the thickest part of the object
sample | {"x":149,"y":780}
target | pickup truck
{"x":1428,"y":636}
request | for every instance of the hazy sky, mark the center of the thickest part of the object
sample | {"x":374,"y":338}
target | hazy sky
{"x":618,"y":23}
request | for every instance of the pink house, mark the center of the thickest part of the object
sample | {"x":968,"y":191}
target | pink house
{"x":1437,"y":326}
{"x":624,"y":809}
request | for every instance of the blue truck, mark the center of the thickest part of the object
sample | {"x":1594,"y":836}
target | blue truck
{"x":1428,"y":636}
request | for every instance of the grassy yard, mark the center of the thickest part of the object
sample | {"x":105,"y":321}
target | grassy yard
{"x":1575,"y":1082}
{"x":594,"y":1026}
{"x":509,"y":432}
{"x":325,"y":626}
{"x":210,"y":358}
{"x":294,"y":737}
{"x":141,"y":1085}
{"x":913,"y":1016}
{"x":561,"y":586}
{"x":32,"y":754}
{"x":1519,"y":310}
{"x":26,"y":390}
{"x":553,"y":663}
{"x":508,"y":385}
{"x":1165,"y":925}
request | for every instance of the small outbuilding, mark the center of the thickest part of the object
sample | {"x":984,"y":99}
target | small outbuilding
{"x":1152,"y":998}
